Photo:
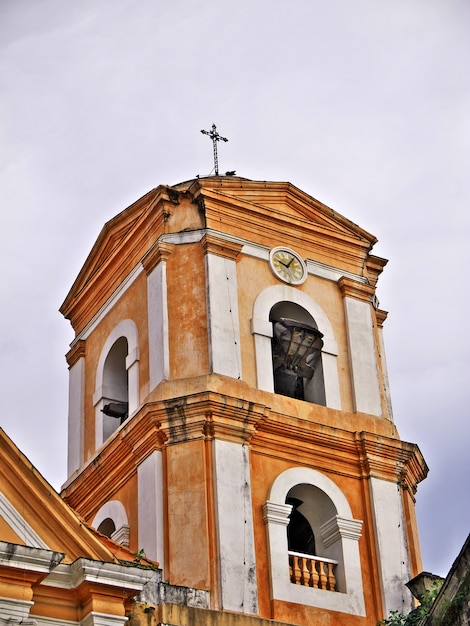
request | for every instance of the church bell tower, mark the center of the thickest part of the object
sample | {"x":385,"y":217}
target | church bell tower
{"x":230,"y":411}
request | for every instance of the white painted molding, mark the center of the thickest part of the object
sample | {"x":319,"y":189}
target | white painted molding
{"x":338,"y":527}
{"x":26,"y":557}
{"x":19,"y":525}
{"x":109,"y":304}
{"x":15,"y":612}
{"x":121,"y":535}
{"x":111,"y":574}
{"x":94,"y":618}
{"x":39,"y":620}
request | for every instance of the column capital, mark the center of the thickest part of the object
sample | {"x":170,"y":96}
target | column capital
{"x":76,"y":352}
{"x":221,"y":247}
{"x":353,"y":289}
{"x":158,"y":253}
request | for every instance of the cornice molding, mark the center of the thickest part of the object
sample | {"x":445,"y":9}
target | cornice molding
{"x":76,"y":352}
{"x":391,"y":459}
{"x":220,"y":246}
{"x":353,"y":289}
{"x":381,"y":316}
{"x":159,"y":252}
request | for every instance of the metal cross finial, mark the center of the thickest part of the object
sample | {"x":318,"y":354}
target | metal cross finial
{"x":214,"y":135}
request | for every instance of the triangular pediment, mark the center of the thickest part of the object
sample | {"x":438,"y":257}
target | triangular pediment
{"x":285,"y":201}
{"x":33,"y":514}
{"x":112,"y":237}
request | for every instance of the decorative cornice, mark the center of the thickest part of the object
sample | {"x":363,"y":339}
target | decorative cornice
{"x":275,"y":513}
{"x":210,"y":415}
{"x":375,"y":266}
{"x":392,"y":459}
{"x":340,"y":527}
{"x":381,"y":316}
{"x":353,"y":289}
{"x":76,"y":352}
{"x":159,"y":252}
{"x":220,"y":246}
{"x":28,"y":559}
{"x":109,"y":574}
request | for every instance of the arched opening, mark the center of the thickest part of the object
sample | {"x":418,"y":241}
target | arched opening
{"x":309,"y":558}
{"x":315,"y":560}
{"x":296,"y":353}
{"x":115,"y":382}
{"x":111,"y":520}
{"x":107,"y":527}
{"x":300,"y":535}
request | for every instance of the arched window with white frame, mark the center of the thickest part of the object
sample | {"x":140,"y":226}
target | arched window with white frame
{"x":313,"y":543}
{"x":111,"y":520}
{"x":117,"y":380}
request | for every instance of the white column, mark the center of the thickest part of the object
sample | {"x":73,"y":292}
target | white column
{"x":76,"y":416}
{"x":223,"y":322}
{"x":235,"y":527}
{"x":392,"y":552}
{"x":362,"y":356}
{"x":150,"y":507}
{"x":157,"y":304}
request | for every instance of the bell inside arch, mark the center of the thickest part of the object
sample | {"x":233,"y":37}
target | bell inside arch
{"x":296,"y":349}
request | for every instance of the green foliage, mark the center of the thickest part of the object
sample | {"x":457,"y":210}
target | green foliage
{"x":413,"y":618}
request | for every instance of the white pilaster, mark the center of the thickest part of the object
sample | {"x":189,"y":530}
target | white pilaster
{"x":235,"y":525}
{"x":223,"y":321}
{"x":75,"y":456}
{"x":362,"y":355}
{"x":388,"y":397}
{"x":157,"y":304}
{"x":392,"y":551}
{"x":150,"y":507}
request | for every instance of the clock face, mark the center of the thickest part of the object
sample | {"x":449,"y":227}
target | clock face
{"x":288,"y":266}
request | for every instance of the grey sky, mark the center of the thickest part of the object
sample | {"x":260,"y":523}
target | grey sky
{"x":364,"y":105}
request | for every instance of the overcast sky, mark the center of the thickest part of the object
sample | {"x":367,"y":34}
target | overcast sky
{"x":364,"y":105}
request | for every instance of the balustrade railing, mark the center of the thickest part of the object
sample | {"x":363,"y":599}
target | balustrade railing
{"x":312,"y":571}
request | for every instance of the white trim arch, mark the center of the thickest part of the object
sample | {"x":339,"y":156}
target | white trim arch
{"x":261,"y":328}
{"x":114,"y":510}
{"x":125,"y":329}
{"x":340,"y":534}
